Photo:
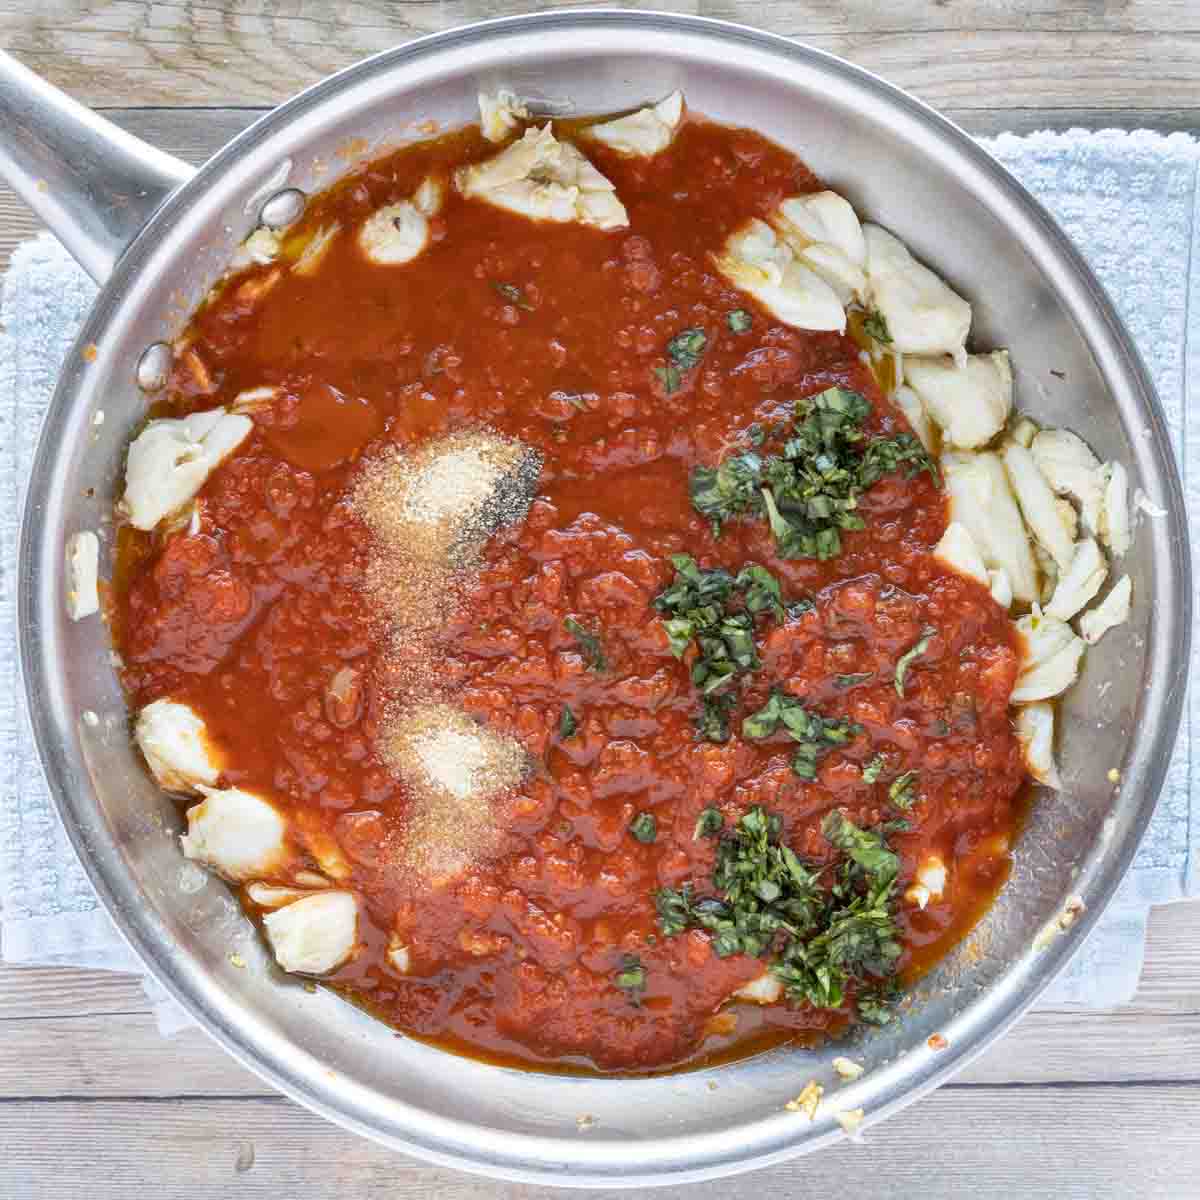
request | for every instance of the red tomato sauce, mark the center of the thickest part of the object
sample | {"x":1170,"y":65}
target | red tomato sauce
{"x":249,"y":619}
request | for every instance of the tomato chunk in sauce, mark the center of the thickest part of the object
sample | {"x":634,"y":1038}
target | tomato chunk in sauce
{"x":555,"y":335}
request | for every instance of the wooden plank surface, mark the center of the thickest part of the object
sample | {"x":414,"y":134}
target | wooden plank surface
{"x":1071,"y":1104}
{"x":122,"y":1056}
{"x":1052,"y":1143}
{"x":1136,"y":54}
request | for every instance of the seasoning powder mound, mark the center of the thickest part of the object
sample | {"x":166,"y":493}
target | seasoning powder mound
{"x":430,"y":514}
{"x":440,"y":504}
{"x":455,"y":770}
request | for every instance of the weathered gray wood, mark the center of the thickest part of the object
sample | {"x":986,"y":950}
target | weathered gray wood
{"x":123,"y":1055}
{"x":1086,"y":1143}
{"x":27,"y":993}
{"x":979,"y":53}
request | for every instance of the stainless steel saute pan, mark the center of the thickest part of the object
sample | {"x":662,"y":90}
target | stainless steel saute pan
{"x":156,"y":235}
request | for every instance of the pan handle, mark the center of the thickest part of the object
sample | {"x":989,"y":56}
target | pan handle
{"x":94,"y":184}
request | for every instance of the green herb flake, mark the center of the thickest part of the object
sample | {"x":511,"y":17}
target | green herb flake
{"x":887,"y":456}
{"x":808,"y":493}
{"x":875,"y":326}
{"x":567,"y":724}
{"x":708,"y":824}
{"x":873,"y":769}
{"x":588,"y":643}
{"x":903,"y":791}
{"x":686,"y":349}
{"x":700,"y":607}
{"x":712,"y":725}
{"x":844,"y":682}
{"x":670,"y":378}
{"x":514,"y":295}
{"x":644,"y":828}
{"x":761,"y":590}
{"x":909,"y":657}
{"x":865,"y":847}
{"x":823,"y":941}
{"x":739,"y":321}
{"x":814,"y":733}
{"x":631,"y":978}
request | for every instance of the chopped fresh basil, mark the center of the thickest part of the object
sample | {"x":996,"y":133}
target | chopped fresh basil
{"x":873,"y":769}
{"x":723,"y":492}
{"x":819,"y":938}
{"x":588,"y":643}
{"x":708,"y":823}
{"x":886,"y":456}
{"x":864,"y":846}
{"x":739,"y":320}
{"x":848,"y":681}
{"x":873,"y":1007}
{"x":761,"y":590}
{"x":698,"y":607}
{"x":909,"y":657}
{"x":903,"y":791}
{"x":514,"y":295}
{"x":875,"y":326}
{"x":567,"y":724}
{"x":631,"y":978}
{"x":808,"y":493}
{"x":684,"y":352}
{"x":686,"y":349}
{"x":814,"y":733}
{"x":712,"y":725}
{"x":644,"y":827}
{"x":670,"y":378}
